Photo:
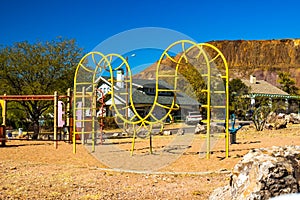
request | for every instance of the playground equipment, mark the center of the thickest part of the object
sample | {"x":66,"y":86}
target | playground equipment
{"x":4,"y":98}
{"x":102,"y":112}
{"x":2,"y":127}
{"x":208,"y":61}
{"x":233,"y":130}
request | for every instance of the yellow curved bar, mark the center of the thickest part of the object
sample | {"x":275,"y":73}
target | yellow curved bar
{"x":136,"y":119}
{"x":226,"y":77}
{"x":83,"y":67}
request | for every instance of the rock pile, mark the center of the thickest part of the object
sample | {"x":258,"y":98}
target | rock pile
{"x":214,"y":128}
{"x":262,"y":174}
{"x":294,"y":118}
{"x":276,"y":121}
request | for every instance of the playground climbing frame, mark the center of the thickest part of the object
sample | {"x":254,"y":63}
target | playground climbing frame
{"x":87,"y":77}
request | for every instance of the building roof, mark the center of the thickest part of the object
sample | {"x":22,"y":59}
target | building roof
{"x":141,"y":97}
{"x":263,"y":88}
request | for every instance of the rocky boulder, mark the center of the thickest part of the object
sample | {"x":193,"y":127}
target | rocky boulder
{"x":200,"y":128}
{"x":262,"y":174}
{"x":276,"y":121}
{"x":294,"y":118}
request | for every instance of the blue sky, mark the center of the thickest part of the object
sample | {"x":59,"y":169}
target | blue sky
{"x":92,"y":21}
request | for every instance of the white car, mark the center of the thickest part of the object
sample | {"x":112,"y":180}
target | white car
{"x":193,"y":118}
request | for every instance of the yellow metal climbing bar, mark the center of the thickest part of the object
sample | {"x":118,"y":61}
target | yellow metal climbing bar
{"x":84,"y":91}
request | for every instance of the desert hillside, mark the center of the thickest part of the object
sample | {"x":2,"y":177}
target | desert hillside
{"x":263,"y":58}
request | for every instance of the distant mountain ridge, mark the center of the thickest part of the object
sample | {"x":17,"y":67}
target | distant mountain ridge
{"x":262,"y":58}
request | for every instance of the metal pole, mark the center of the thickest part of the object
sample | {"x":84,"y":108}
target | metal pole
{"x":68,"y":120}
{"x":227,"y":115}
{"x":102,"y":101}
{"x":126,"y":86}
{"x":82,"y":115}
{"x":3,"y":134}
{"x":94,"y":118}
{"x":4,"y":112}
{"x":208,"y":114}
{"x":55,"y":118}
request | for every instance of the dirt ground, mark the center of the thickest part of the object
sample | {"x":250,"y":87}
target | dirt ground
{"x":37,"y":170}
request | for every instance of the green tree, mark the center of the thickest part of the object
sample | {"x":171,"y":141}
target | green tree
{"x":287,"y":83}
{"x":194,"y":82}
{"x":238,"y":104}
{"x":39,"y":68}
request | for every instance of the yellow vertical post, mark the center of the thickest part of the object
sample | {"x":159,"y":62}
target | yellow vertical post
{"x":227,"y":112}
{"x":82,"y":115}
{"x":74,"y":132}
{"x":94,"y":118}
{"x":126,"y":97}
{"x":208,"y":113}
{"x":55,"y":118}
{"x":3,"y":104}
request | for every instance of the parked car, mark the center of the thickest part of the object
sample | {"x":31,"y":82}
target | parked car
{"x":193,"y":118}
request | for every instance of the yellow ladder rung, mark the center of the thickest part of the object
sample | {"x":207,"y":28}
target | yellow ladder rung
{"x":83,"y":120}
{"x":83,"y":83}
{"x":126,"y":107}
{"x":218,"y":106}
{"x":219,"y":92}
{"x":205,"y":106}
{"x":86,"y":95}
{"x":167,"y":90}
{"x":218,"y":120}
{"x":85,"y":132}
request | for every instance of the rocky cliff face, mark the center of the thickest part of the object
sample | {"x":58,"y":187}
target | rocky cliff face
{"x":262,"y":58}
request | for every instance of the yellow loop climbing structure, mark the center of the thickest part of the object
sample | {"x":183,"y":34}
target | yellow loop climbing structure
{"x":87,"y":76}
